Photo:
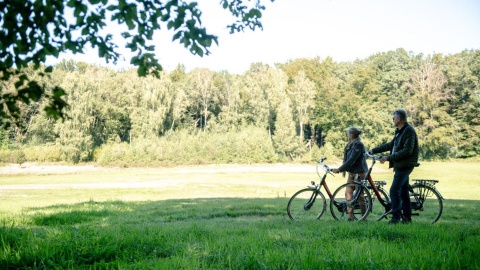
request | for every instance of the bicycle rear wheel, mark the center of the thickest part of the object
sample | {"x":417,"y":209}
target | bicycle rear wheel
{"x":358,"y":204}
{"x":426,"y":203}
{"x":306,"y":204}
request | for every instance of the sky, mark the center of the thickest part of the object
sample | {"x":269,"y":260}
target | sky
{"x":345,"y":30}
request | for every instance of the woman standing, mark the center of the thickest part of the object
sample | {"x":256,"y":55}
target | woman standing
{"x":355,"y":164}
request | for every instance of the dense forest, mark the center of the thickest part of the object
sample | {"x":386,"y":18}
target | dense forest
{"x":296,"y":110}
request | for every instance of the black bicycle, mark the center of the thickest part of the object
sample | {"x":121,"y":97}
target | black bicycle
{"x":426,"y":201}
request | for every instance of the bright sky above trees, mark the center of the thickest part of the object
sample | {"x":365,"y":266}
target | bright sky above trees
{"x":342,"y":29}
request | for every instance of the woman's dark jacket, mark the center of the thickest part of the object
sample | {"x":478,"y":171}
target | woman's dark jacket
{"x":354,"y":159}
{"x":403,"y":148}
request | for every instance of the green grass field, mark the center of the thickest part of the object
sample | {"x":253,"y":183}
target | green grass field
{"x":222,"y":217}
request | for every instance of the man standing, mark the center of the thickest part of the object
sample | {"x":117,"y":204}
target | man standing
{"x":403,"y":158}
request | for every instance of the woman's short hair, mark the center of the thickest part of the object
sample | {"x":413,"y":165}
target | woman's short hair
{"x":356,"y":132}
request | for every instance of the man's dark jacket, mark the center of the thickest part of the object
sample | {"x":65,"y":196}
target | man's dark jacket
{"x":403,"y":148}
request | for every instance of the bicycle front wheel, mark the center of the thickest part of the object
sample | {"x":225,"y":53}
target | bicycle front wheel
{"x":351,"y":202}
{"x":426,"y":203}
{"x":306,"y":204}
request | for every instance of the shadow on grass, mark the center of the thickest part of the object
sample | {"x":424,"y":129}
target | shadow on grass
{"x":112,"y":234}
{"x":157,"y":211}
{"x":111,"y":212}
{"x":91,"y":233}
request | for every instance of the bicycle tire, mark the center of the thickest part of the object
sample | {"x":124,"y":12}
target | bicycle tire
{"x":306,"y":204}
{"x":377,"y":208}
{"x":339,"y":205}
{"x":426,"y":203}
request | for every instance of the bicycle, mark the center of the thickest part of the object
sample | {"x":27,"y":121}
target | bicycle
{"x":375,"y":191}
{"x":310,"y":203}
{"x":426,"y":201}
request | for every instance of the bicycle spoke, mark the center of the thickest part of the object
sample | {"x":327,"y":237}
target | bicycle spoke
{"x":350,"y":202}
{"x":427,"y":205}
{"x":378,"y":210}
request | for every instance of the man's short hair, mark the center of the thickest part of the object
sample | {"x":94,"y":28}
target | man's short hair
{"x":401,"y":113}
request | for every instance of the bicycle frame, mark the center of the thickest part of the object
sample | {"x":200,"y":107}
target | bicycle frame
{"x":323,"y":178}
{"x":368,"y":178}
{"x":323,"y":183}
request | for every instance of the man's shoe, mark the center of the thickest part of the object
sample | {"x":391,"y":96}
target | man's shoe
{"x":406,"y":220}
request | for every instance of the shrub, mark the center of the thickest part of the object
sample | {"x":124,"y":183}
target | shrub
{"x":12,"y":156}
{"x":250,"y":145}
{"x":43,"y":153}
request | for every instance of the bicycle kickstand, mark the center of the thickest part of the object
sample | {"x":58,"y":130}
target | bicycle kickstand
{"x":384,"y":215}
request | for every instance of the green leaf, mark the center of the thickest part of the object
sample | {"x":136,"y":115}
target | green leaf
{"x":85,"y":31}
{"x":130,"y":24}
{"x":255,"y":13}
{"x":142,"y":71}
{"x":71,"y":3}
{"x":177,"y":35}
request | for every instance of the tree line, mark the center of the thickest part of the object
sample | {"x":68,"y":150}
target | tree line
{"x":295,"y":110}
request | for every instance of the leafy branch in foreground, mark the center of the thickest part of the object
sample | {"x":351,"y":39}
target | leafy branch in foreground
{"x":32,"y":30}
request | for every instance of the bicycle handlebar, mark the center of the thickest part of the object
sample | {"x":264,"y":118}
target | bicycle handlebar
{"x":325,"y":167}
{"x":374,"y":157}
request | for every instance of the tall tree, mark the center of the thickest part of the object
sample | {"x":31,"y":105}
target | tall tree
{"x":152,"y":105}
{"x":325,"y":82}
{"x":258,"y":96}
{"x":370,"y":116}
{"x":462,"y":71}
{"x":178,"y":98}
{"x":302,"y":94}
{"x":429,"y":109}
{"x":393,"y":70}
{"x":201,"y":93}
{"x":74,"y":134}
{"x":230,"y":88}
{"x":285,"y":139}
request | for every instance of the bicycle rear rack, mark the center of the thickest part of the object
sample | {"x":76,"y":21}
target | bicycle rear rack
{"x":426,"y":181}
{"x":377,"y":183}
{"x":380,"y":183}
